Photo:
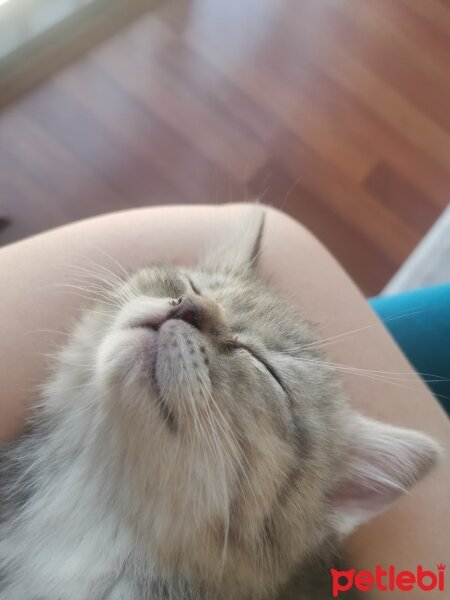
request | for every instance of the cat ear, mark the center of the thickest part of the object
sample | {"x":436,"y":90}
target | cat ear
{"x":237,"y":245}
{"x":383,"y":463}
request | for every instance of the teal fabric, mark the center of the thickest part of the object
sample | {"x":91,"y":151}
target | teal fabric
{"x":419,"y":321}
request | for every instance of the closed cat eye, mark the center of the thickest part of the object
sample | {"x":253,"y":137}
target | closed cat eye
{"x":194,"y":287}
{"x":265,"y":364}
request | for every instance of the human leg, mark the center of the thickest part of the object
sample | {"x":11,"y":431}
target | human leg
{"x":385,"y":387}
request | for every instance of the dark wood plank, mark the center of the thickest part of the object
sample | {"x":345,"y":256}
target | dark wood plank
{"x":347,"y":242}
{"x":401,"y":197}
{"x":354,"y":205}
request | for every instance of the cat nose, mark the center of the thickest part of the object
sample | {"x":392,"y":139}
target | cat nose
{"x":190,"y":310}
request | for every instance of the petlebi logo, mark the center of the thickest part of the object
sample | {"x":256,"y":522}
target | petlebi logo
{"x":388,"y":579}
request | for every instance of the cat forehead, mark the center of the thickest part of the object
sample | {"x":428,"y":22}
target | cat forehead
{"x":158,"y":280}
{"x":163,"y":279}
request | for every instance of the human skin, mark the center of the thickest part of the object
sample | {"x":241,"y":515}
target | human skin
{"x":37,"y":308}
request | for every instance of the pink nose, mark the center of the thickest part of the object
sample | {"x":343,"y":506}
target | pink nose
{"x":188,"y":310}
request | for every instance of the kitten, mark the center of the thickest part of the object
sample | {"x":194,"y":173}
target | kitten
{"x":192,"y":443}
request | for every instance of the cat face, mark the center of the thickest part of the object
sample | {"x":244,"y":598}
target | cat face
{"x":206,"y":370}
{"x":228,"y":447}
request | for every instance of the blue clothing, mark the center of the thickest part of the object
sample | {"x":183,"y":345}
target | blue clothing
{"x":419,"y":321}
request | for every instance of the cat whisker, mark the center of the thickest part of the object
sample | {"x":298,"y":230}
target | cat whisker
{"x":222,"y":454}
{"x":55,"y":331}
{"x":336,"y":338}
{"x":401,"y":376}
{"x":368,"y":375}
{"x":103,"y":282}
{"x":115,"y":262}
{"x":92,"y":300}
{"x":95,"y":277}
{"x":240,"y":458}
{"x":98,"y":292}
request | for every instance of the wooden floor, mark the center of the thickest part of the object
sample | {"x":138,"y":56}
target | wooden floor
{"x":336,"y":111}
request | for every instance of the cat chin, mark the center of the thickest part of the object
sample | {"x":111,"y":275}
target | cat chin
{"x":127,"y":355}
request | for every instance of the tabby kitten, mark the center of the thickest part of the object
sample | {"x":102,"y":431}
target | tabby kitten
{"x":193,"y":444}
